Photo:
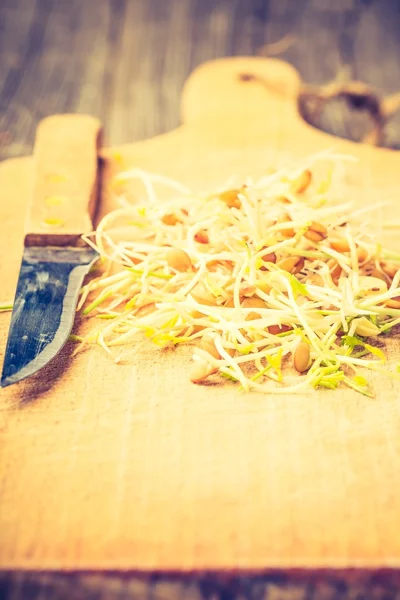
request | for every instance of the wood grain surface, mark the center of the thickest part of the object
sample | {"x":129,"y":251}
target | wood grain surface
{"x":161,"y":475}
{"x":126,"y":62}
{"x":65,"y":188}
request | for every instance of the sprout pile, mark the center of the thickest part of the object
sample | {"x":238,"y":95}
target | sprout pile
{"x":276,"y":283}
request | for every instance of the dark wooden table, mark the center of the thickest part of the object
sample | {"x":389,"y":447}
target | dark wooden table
{"x":126,"y":61}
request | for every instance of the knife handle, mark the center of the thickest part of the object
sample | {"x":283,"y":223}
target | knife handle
{"x":65,"y":182}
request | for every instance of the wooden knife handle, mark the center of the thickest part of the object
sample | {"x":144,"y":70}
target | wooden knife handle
{"x":66,"y":180}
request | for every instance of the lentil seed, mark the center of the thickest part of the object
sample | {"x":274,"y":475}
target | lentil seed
{"x":301,"y":357}
{"x":179,"y":260}
{"x":301,"y":183}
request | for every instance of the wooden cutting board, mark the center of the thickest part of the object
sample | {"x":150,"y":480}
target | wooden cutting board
{"x":131,"y":466}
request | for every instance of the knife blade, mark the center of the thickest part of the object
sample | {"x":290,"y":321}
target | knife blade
{"x":55,"y":258}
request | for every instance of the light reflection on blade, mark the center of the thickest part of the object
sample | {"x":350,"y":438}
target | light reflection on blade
{"x":44,"y":308}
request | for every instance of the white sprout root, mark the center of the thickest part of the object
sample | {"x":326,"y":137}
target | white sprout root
{"x":280,"y":267}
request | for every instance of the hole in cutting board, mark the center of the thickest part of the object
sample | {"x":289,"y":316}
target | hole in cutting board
{"x":349,"y":119}
{"x":354,"y":111}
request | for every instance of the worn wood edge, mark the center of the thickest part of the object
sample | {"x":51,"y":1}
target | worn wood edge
{"x":327,"y":564}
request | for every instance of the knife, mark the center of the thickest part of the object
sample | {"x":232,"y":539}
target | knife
{"x":55,"y":258}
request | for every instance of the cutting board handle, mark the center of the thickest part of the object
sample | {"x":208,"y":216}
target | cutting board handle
{"x":242,"y":88}
{"x":65,"y":183}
